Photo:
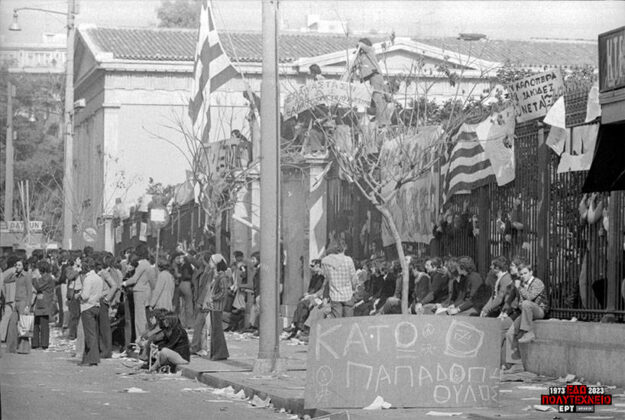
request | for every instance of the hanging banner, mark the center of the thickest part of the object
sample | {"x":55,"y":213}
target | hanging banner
{"x":118,"y":234}
{"x":143,"y":232}
{"x":415,"y":206}
{"x":534,"y":95}
{"x":328,"y":92}
{"x":612,"y":60}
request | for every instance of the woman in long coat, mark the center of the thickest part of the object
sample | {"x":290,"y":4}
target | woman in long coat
{"x":43,"y":307}
{"x":216,"y":298}
{"x":23,"y":298}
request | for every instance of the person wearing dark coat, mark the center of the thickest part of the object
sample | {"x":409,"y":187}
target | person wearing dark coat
{"x":23,"y":300}
{"x":216,"y":300}
{"x":43,"y":308}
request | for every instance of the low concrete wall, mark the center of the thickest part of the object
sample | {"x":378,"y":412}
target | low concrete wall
{"x":589,"y":350}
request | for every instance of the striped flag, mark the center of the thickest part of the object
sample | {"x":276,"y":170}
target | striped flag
{"x":212,"y":69}
{"x":468,"y":167}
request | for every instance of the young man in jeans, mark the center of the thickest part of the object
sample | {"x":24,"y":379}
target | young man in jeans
{"x":340,"y":274}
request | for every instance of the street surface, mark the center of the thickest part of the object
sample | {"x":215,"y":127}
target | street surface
{"x":50,"y":385}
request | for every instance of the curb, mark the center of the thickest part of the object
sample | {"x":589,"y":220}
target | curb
{"x":290,"y":405}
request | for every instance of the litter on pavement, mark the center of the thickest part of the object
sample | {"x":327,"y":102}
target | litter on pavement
{"x":442,"y":414}
{"x":134,"y":390}
{"x":378,"y":404}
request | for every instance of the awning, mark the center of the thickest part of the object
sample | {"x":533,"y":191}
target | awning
{"x":607,"y":172}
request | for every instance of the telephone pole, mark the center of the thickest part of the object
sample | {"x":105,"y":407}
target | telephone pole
{"x":9,"y":158}
{"x":68,"y":174}
{"x":269,"y":345}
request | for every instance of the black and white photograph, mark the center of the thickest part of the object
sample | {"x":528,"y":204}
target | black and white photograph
{"x":312,"y":209}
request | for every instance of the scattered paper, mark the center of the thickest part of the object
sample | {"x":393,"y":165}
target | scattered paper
{"x":200,"y":389}
{"x":378,"y":404}
{"x":239,"y":395}
{"x":505,"y":390}
{"x":568,"y":378}
{"x":135,"y":390}
{"x":258,"y":402}
{"x":224,"y":391}
{"x":543,"y":408}
{"x":442,"y":414}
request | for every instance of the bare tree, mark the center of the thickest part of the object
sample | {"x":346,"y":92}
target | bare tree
{"x":380,"y":162}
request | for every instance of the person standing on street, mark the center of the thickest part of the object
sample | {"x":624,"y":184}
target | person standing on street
{"x":23,"y":298}
{"x":141,"y":280}
{"x":216,"y":300}
{"x":44,"y":306}
{"x":109,"y":290}
{"x":90,"y":297}
{"x":340,"y":273}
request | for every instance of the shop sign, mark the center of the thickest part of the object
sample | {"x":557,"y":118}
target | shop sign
{"x":17,"y":226}
{"x":612,"y":60}
{"x":533,"y":96}
{"x":328,"y":92}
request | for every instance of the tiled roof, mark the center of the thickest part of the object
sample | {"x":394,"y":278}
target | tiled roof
{"x":526,"y":53}
{"x":179,"y":45}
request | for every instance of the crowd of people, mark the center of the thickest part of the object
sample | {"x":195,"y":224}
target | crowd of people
{"x":147,"y":304}
{"x":341,"y":288}
{"x":137,"y":303}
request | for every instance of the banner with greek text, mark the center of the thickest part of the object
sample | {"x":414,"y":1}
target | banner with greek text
{"x":328,"y":92}
{"x":534,"y":95}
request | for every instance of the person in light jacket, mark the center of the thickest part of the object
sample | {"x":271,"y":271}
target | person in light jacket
{"x":216,"y":300}
{"x":163,"y":293}
{"x":45,"y":286}
{"x":141,"y":280}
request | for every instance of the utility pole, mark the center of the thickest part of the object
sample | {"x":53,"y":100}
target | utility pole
{"x":68,"y":175}
{"x":9,"y":158}
{"x":269,"y":345}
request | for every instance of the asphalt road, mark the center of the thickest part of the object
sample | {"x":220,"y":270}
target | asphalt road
{"x":51,"y":385}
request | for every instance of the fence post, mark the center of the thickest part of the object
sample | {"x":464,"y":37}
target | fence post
{"x":614,"y":249}
{"x":542,"y":228}
{"x":483,"y":239}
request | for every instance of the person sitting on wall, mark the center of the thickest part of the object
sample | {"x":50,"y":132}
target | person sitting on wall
{"x":533,"y":305}
{"x":500,"y":268}
{"x":472,"y":282}
{"x":439,"y":290}
{"x":312,"y":297}
{"x":421,"y":283}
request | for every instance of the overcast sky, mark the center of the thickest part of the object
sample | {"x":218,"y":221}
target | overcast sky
{"x":496,"y":19}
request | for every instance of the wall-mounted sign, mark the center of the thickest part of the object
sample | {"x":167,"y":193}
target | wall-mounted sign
{"x":17,"y":226}
{"x":612,"y":60}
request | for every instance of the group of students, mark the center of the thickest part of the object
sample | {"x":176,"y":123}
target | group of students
{"x":138,"y":302}
{"x":510,"y":292}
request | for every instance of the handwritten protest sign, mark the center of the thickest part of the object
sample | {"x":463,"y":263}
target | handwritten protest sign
{"x":328,"y":92}
{"x":410,"y":361}
{"x":534,"y":95}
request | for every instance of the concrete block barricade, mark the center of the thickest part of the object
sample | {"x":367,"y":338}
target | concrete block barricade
{"x":590,"y":350}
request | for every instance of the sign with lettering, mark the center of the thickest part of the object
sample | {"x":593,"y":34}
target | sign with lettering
{"x":534,"y":95}
{"x":410,"y":361}
{"x":328,"y":92}
{"x":612,"y":60}
{"x":17,"y":226}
